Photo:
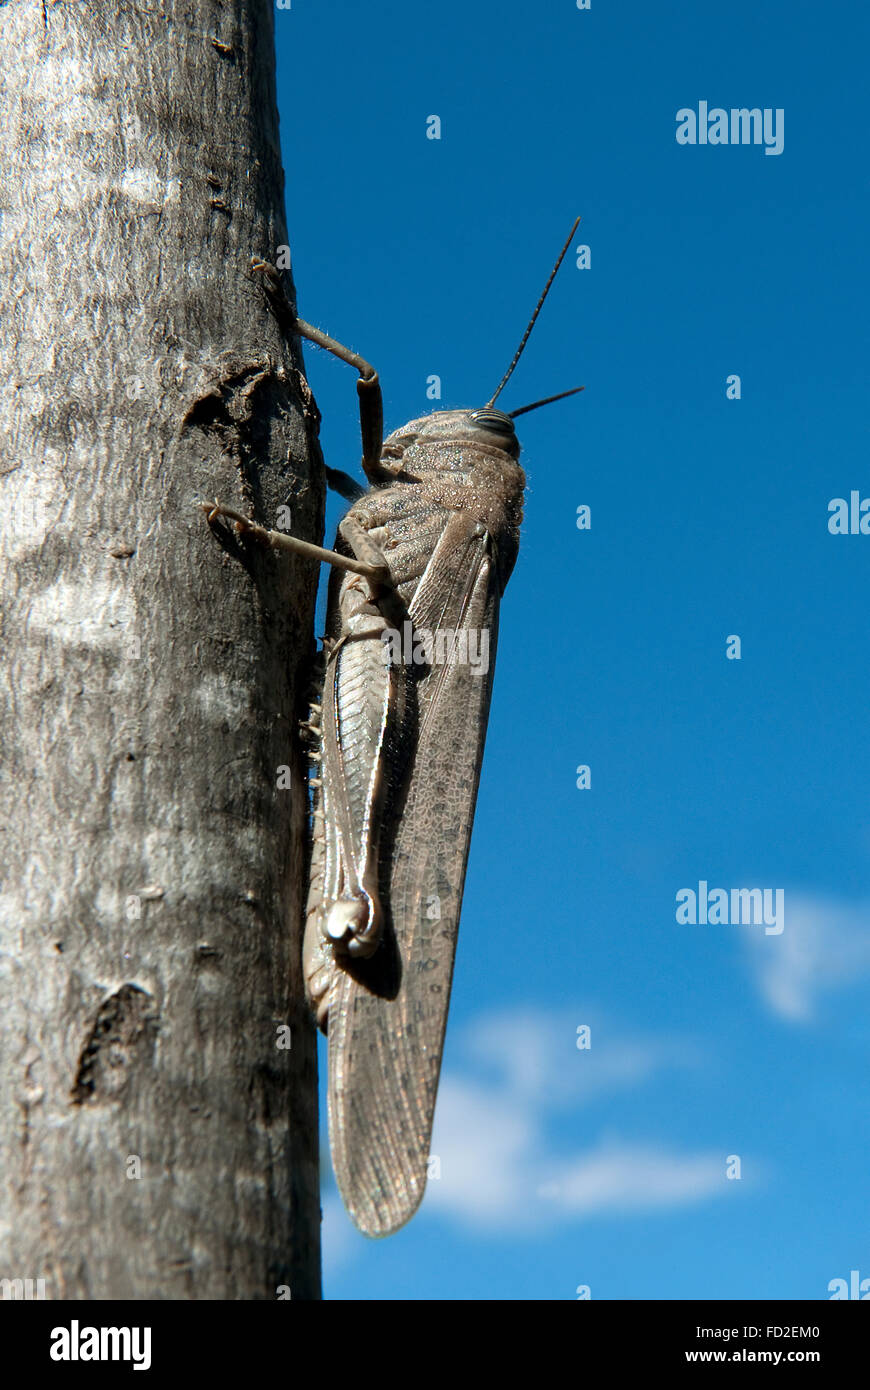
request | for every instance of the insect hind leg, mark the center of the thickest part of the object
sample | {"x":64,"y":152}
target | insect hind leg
{"x":353,"y":925}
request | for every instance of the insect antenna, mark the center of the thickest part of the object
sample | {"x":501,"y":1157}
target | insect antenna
{"x":548,"y":400}
{"x":525,"y":337}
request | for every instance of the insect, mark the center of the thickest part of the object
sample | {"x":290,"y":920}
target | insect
{"x":419,"y":566}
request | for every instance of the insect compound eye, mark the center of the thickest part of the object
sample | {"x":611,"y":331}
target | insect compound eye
{"x":492,"y":419}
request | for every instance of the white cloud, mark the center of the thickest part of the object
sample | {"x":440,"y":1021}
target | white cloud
{"x":497,"y":1169}
{"x":824,"y":945}
{"x":634,"y":1177}
{"x":535,"y":1055}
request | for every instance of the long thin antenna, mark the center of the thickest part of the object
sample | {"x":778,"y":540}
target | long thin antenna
{"x":524,"y":409}
{"x":525,"y":338}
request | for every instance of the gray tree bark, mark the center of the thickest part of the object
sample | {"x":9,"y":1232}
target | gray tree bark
{"x":158,"y":1138}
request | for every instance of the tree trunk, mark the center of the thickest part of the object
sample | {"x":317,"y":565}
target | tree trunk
{"x":158,"y":1138}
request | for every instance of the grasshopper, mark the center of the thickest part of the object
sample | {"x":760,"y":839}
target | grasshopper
{"x":426,"y":551}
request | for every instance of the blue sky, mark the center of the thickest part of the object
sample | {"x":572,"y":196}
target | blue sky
{"x":606,"y":1167}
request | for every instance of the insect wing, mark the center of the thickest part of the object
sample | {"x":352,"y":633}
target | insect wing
{"x":385,"y":1053}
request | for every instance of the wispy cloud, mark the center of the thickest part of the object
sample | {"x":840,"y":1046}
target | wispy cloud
{"x":498,"y":1169}
{"x":533,"y":1054}
{"x":634,"y":1177}
{"x":825,"y":945}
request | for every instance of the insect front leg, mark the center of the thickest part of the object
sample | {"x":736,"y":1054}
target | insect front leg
{"x":343,"y":484}
{"x":374,"y":567}
{"x":371,"y":404}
